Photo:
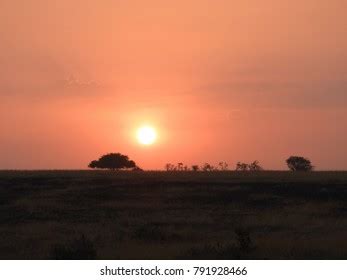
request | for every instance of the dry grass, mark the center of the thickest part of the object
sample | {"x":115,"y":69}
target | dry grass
{"x":167,"y":215}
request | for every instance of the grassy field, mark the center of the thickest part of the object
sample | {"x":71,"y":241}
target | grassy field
{"x":172,"y":215}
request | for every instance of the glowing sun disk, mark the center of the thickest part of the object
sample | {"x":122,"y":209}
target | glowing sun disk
{"x":146,"y":135}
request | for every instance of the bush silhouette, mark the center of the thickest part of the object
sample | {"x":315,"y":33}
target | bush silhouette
{"x":223,"y":166}
{"x":207,"y":167}
{"x":180,"y":166}
{"x":296,"y":163}
{"x":254,"y":166}
{"x":113,"y":161}
{"x":169,"y":167}
{"x":195,"y":168}
{"x":240,"y":166}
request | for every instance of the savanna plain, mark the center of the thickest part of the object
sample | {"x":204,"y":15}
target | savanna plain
{"x":173,"y":215}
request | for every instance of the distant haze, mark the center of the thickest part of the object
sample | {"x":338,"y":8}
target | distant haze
{"x":220,"y":80}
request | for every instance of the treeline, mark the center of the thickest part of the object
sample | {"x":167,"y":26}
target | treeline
{"x":117,"y":161}
{"x":206,"y":167}
{"x":294,"y":163}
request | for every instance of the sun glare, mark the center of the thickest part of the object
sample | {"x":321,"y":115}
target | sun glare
{"x":146,"y":135}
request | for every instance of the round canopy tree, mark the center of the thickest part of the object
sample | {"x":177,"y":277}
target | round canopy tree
{"x":113,"y":161}
{"x":296,"y":163}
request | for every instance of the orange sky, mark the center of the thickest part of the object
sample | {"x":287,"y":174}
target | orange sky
{"x":221,"y":80}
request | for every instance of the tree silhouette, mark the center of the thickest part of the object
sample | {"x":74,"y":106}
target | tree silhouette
{"x":296,"y":163}
{"x":113,"y":161}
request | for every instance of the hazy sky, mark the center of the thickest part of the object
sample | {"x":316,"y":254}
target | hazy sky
{"x":221,"y":80}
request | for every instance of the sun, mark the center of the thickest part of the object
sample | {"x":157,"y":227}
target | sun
{"x":146,"y":135}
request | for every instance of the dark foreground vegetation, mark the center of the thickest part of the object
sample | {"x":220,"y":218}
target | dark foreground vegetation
{"x":173,"y":215}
